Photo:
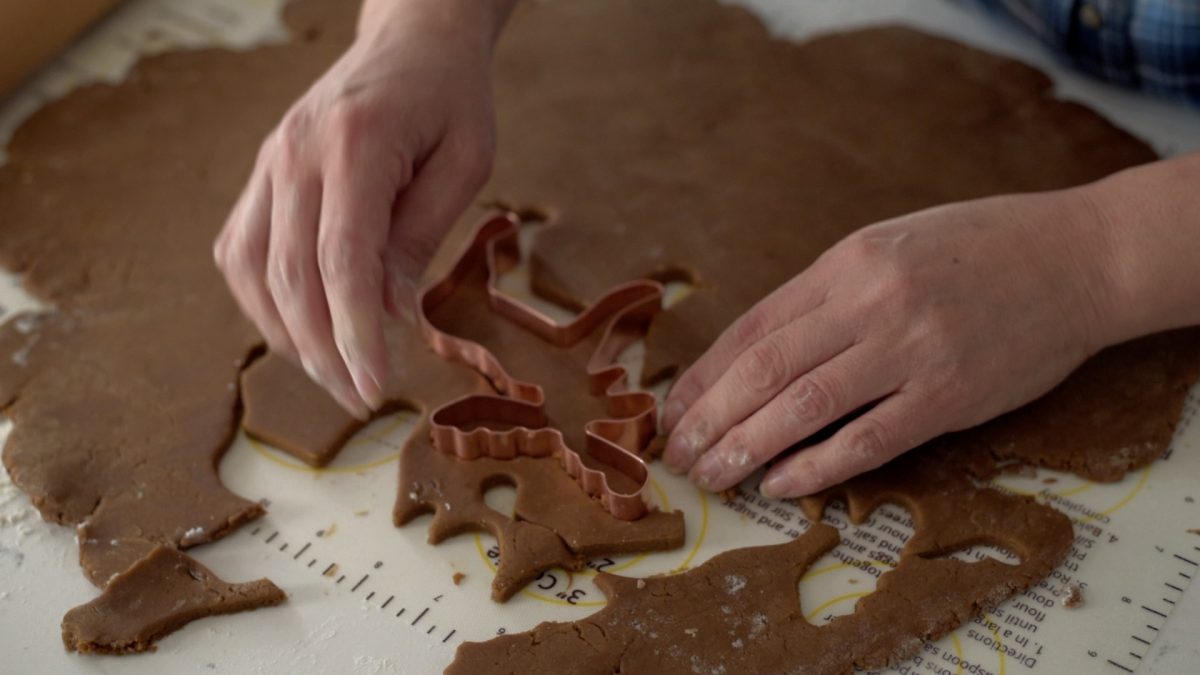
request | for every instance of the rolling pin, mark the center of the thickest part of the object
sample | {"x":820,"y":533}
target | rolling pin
{"x":33,"y":31}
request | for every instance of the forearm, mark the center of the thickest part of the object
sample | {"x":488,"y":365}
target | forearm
{"x":482,"y":19}
{"x":1148,"y":223}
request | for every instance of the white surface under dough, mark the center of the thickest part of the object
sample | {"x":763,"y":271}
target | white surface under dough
{"x":342,"y":515}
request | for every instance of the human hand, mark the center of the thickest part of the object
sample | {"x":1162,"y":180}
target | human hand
{"x":353,"y":191}
{"x":937,"y":321}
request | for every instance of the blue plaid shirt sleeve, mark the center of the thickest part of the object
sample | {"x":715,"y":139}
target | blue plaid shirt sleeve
{"x":1153,"y":45}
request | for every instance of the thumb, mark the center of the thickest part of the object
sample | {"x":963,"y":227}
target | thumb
{"x":440,"y":191}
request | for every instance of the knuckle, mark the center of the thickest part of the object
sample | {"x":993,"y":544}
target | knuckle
{"x":474,"y":156}
{"x":859,"y":245}
{"x":952,"y":385}
{"x":293,"y":127}
{"x":766,"y":367}
{"x":748,"y":329}
{"x":350,"y":122}
{"x":416,"y":250}
{"x":901,"y":286}
{"x":866,"y":442}
{"x":268,"y":148}
{"x":477,"y":168}
{"x":220,"y":251}
{"x":687,"y":388}
{"x":809,"y":470}
{"x":285,"y":275}
{"x":288,"y":140}
{"x":337,"y":260}
{"x":736,"y":442}
{"x":811,"y":400}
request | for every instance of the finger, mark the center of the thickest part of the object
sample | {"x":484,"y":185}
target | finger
{"x":818,"y":398}
{"x":241,"y":254}
{"x":440,"y":191}
{"x":755,"y":377}
{"x":787,"y":303}
{"x":898,"y":424}
{"x":355,"y":215}
{"x":295,"y":282}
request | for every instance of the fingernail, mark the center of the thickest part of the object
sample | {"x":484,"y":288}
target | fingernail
{"x":777,"y":486}
{"x":354,"y":405}
{"x":671,"y":414}
{"x":707,"y":471}
{"x":367,"y":386}
{"x":682,"y":450}
{"x":345,"y":397}
{"x":310,"y":370}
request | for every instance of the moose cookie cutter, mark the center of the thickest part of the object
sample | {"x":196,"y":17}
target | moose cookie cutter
{"x":519,"y":425}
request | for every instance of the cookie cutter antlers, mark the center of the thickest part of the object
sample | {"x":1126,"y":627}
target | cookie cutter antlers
{"x":460,"y":427}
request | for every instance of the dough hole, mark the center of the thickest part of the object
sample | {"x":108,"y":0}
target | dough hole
{"x":501,"y":497}
{"x":977,"y":553}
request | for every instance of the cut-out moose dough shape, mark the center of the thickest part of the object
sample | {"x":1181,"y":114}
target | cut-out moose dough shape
{"x":740,"y":612}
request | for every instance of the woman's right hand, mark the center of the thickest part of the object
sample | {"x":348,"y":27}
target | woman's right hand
{"x":355,"y":188}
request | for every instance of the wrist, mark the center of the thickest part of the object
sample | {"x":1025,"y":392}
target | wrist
{"x":1145,"y":225}
{"x":478,"y":22}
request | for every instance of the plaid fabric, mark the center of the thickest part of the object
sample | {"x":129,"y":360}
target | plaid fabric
{"x":1152,"y":45}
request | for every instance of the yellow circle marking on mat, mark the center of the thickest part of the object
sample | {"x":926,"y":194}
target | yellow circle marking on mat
{"x":1078,"y":489}
{"x":1141,"y":483}
{"x":957,"y":652}
{"x":833,"y":601}
{"x":699,"y":537}
{"x":999,"y":643}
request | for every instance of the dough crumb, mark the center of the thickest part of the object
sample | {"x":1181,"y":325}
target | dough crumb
{"x":1073,"y":596}
{"x":641,"y":583}
{"x":1194,"y":530}
{"x":458,"y":578}
{"x":331,"y":570}
{"x":1050,"y":480}
{"x":362,"y":513}
{"x":728,"y":495}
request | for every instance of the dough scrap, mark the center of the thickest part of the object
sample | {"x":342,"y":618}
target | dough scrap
{"x":740,"y":611}
{"x":1117,"y":413}
{"x":156,"y":596}
{"x":123,"y":397}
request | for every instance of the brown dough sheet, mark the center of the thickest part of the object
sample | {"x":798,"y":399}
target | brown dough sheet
{"x":156,"y":596}
{"x":740,"y":612}
{"x":123,"y":397}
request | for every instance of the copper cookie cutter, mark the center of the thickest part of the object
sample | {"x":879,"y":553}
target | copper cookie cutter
{"x":459,"y":427}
